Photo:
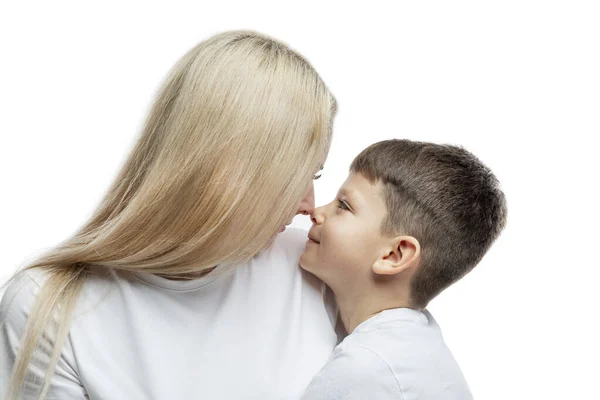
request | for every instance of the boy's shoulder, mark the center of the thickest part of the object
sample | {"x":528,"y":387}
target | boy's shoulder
{"x":354,"y":372}
{"x":399,"y":331}
{"x":362,"y":366}
{"x":395,"y":354}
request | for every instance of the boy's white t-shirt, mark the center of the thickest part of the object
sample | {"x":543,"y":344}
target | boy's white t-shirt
{"x":396,"y":354}
{"x":261,"y":332}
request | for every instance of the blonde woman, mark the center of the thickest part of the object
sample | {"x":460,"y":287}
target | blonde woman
{"x":181,"y":285}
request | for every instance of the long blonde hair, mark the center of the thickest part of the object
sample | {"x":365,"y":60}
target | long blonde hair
{"x":241,"y":120}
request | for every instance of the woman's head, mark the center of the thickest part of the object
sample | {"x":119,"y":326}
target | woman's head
{"x":226,"y":157}
{"x":228,"y":151}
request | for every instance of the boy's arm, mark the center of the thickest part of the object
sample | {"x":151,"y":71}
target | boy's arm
{"x":352,"y":374}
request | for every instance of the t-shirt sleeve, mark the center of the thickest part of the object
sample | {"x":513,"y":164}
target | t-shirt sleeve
{"x":352,"y":374}
{"x":15,"y":307}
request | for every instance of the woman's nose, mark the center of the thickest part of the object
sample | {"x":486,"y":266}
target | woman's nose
{"x":307,"y":205}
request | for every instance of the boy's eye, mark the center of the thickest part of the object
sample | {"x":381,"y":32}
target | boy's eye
{"x":343,"y":205}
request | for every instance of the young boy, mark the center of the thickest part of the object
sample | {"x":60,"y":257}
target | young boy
{"x":411,"y":219}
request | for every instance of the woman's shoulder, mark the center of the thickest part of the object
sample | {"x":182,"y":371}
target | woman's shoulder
{"x":291,"y":242}
{"x":19,"y":297}
{"x":22,"y":290}
{"x":281,"y":256}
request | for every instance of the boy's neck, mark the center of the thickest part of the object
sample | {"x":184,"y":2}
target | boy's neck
{"x":354,"y":309}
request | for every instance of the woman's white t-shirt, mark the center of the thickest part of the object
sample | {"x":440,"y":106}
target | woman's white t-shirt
{"x":260,"y":332}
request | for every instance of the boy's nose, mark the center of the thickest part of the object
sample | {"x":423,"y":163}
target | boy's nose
{"x":318,"y":217}
{"x":307,"y":205}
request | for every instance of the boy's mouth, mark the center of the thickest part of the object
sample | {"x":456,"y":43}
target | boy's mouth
{"x":311,"y":239}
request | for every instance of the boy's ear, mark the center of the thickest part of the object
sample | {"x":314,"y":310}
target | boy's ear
{"x":403,"y":254}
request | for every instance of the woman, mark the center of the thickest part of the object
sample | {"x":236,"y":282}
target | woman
{"x":177,"y":287}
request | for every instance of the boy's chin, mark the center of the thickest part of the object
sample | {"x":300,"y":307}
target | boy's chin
{"x":308,"y":266}
{"x":304,"y":264}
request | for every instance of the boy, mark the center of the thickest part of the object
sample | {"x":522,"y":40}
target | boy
{"x":411,"y":219}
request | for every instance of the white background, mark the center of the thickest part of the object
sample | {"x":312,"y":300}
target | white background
{"x":515,"y":82}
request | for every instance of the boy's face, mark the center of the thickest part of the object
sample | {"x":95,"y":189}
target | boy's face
{"x":345,"y":238}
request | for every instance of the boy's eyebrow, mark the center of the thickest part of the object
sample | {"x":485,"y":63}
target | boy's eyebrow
{"x":350,"y":194}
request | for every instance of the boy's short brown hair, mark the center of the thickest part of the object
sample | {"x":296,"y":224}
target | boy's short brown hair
{"x":443,"y":196}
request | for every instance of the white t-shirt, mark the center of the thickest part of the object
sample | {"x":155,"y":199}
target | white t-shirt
{"x":261,"y":332}
{"x":396,"y":354}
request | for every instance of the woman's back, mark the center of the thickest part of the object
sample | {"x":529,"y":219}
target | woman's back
{"x":262,"y":331}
